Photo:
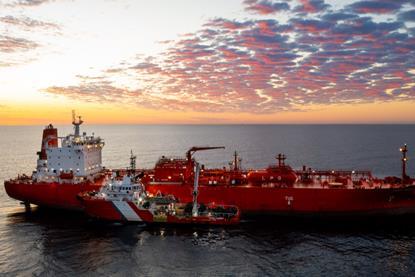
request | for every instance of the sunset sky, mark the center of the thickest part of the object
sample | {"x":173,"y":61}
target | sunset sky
{"x":214,"y":62}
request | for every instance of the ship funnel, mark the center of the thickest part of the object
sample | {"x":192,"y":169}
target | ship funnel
{"x":49,"y":139}
{"x":76,"y":123}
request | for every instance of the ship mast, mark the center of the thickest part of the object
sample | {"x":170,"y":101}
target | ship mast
{"x":76,"y":124}
{"x":404,"y":150}
{"x":195,"y":211}
{"x":281,"y":159}
{"x":132,"y":163}
{"x":236,"y":161}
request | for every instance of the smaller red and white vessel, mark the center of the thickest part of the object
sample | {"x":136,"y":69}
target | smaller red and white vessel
{"x":118,"y":198}
{"x":126,"y":200}
{"x":66,"y":166}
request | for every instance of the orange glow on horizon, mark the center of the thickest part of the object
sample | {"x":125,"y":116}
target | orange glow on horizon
{"x":376,"y":113}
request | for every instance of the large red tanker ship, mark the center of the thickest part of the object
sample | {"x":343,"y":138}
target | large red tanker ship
{"x":66,"y":166}
{"x":279,"y":189}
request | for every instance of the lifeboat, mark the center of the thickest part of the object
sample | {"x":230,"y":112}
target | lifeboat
{"x":66,"y":175}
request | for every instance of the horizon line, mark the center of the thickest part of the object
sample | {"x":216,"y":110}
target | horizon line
{"x":217,"y":124}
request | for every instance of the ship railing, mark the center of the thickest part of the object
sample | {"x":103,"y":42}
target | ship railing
{"x":333,"y":172}
{"x":23,"y":177}
{"x":82,"y":140}
{"x":222,"y":214}
{"x":171,"y":159}
{"x":273,"y":166}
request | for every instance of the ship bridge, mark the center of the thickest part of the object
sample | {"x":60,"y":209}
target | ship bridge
{"x":80,"y":155}
{"x":75,"y":155}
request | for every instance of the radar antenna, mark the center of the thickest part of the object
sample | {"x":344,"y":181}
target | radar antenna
{"x":76,"y":124}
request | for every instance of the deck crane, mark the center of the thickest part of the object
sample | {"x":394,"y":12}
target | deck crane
{"x":194,"y":149}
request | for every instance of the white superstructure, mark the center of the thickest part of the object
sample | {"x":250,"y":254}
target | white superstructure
{"x":80,"y":155}
{"x":126,"y":188}
{"x":129,"y":188}
{"x":72,"y":158}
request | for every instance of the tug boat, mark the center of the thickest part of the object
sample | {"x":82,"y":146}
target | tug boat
{"x":117,"y":198}
{"x":281,"y":190}
{"x":66,"y":166}
{"x":127,"y":201}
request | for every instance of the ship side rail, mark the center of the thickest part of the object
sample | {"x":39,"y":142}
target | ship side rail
{"x":22,"y":178}
{"x":335,"y":172}
{"x":203,"y":210}
{"x":170,"y":159}
{"x":82,"y":140}
{"x":219,"y":212}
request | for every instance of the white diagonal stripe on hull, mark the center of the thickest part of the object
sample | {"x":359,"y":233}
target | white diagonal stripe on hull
{"x":126,"y":211}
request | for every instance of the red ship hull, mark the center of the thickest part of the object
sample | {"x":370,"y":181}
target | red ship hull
{"x":55,"y":195}
{"x":277,"y":200}
{"x":102,"y":209}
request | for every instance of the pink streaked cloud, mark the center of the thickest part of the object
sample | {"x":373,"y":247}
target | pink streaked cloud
{"x":258,"y":65}
{"x":377,"y":7}
{"x":265,"y":7}
{"x":312,"y":6}
{"x":10,"y":44}
{"x":27,"y":3}
{"x":27,"y":22}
